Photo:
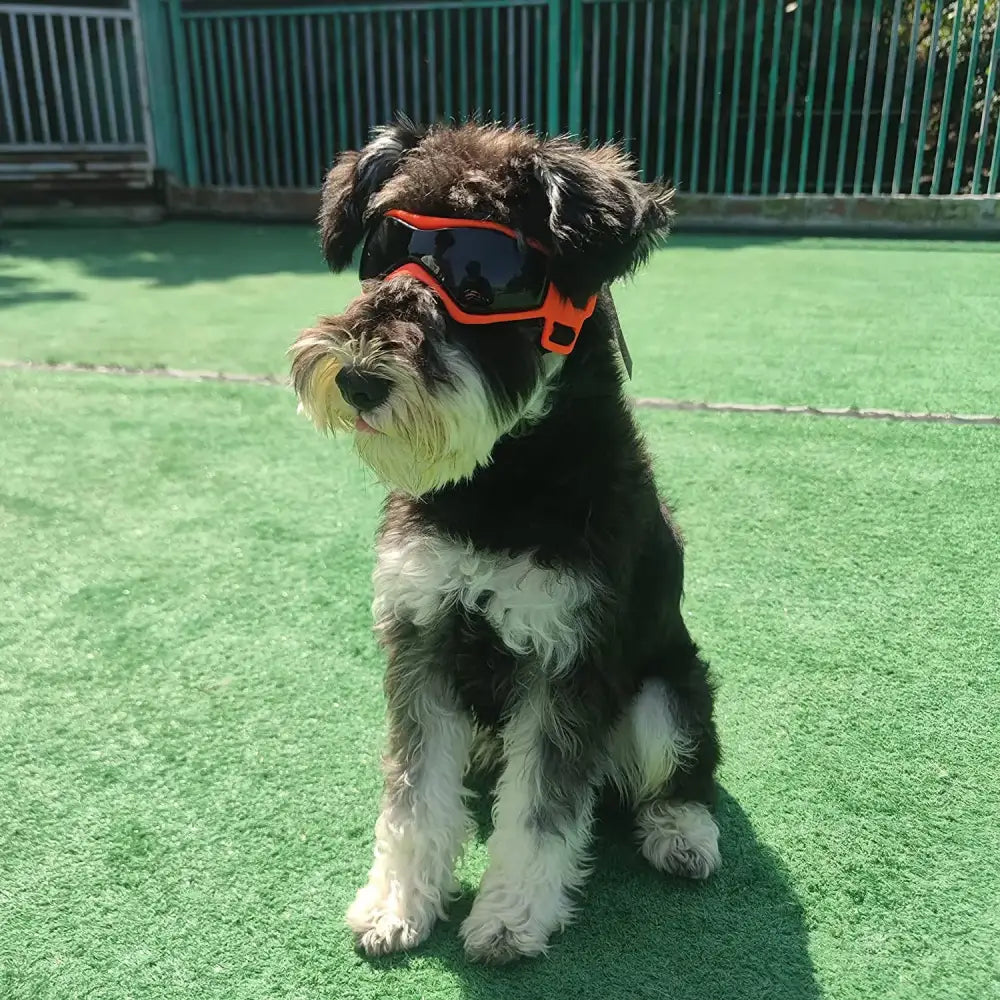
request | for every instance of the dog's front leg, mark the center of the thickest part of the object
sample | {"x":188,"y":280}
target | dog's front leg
{"x":423,"y":821}
{"x":537,"y":852}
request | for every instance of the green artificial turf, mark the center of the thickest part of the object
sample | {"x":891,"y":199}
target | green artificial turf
{"x":192,"y":713}
{"x":883,"y":323}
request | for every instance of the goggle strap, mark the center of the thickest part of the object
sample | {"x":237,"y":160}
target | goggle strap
{"x":561,"y":313}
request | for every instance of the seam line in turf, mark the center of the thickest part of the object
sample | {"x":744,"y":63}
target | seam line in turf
{"x":643,"y":402}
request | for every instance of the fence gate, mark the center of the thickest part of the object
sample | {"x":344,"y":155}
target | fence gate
{"x":74,"y":98}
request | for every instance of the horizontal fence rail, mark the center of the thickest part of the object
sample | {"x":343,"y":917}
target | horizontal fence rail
{"x":72,"y":81}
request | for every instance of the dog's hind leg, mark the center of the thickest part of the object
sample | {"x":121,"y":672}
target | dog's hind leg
{"x":664,"y":759}
{"x":423,"y":822}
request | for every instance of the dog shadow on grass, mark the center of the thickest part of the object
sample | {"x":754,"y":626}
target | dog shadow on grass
{"x":641,"y":934}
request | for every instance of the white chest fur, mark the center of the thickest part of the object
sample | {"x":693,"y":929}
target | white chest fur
{"x":533,"y":609}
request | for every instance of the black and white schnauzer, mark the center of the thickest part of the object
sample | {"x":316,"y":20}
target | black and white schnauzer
{"x":528,"y":580}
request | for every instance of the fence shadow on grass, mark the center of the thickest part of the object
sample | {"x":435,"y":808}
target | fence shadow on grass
{"x":641,"y":935}
{"x":171,"y":254}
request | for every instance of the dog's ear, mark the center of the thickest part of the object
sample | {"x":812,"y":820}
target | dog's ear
{"x":603,"y":220}
{"x":353,"y":180}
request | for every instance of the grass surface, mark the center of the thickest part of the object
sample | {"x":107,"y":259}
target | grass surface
{"x":192,"y":708}
{"x":899,"y":324}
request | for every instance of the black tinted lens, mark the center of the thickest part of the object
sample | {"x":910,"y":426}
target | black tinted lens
{"x":483,"y":270}
{"x":387,"y":246}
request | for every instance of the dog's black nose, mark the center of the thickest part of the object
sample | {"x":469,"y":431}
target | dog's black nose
{"x":362,"y":389}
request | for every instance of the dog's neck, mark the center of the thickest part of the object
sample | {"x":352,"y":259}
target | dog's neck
{"x":538,"y":491}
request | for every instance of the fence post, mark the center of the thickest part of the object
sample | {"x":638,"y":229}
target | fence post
{"x":182,"y":86}
{"x":150,"y":27}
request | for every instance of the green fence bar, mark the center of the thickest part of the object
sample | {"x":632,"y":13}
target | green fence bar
{"x":511,"y":82}
{"x":949,"y":82}
{"x":884,"y":118}
{"x":596,"y":77}
{"x":772,"y":91}
{"x":213,"y":102}
{"x":647,"y":81}
{"x":555,"y":61}
{"x":200,"y":103}
{"x":734,"y":107}
{"x":699,"y":88}
{"x":720,"y":46}
{"x":480,"y":68}
{"x":495,"y":63}
{"x":385,"y":66}
{"x":414,"y":109}
{"x":786,"y":145}
{"x":431,"y":63}
{"x":316,"y":145}
{"x":246,"y":165}
{"x":222,"y":43}
{"x":371,"y":73}
{"x":401,"y":102}
{"x":928,"y":84}
{"x":201,"y":173}
{"x":360,"y":134}
{"x":852,"y":59}
{"x":758,"y":37}
{"x":629,"y":75}
{"x":539,"y":89}
{"x":256,"y":102}
{"x":304,"y":179}
{"x":824,"y":138}
{"x":904,"y":111}
{"x":681,"y":87}
{"x":867,"y":101}
{"x":525,"y":63}
{"x":984,"y":121}
{"x":661,"y":144}
{"x":462,"y":105}
{"x":970,"y":80}
{"x":810,"y":97}
{"x":281,"y":69}
{"x":328,"y":143}
{"x":609,"y":131}
{"x":991,"y":184}
{"x":341,"y":112}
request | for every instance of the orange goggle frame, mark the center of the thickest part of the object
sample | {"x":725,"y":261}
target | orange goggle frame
{"x":556,"y":311}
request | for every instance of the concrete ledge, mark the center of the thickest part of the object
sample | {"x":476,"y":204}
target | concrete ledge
{"x":968,"y":216}
{"x":964,"y":216}
{"x":257,"y":205}
{"x":82,"y":215}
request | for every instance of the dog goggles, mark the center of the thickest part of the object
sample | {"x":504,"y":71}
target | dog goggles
{"x":482,"y":272}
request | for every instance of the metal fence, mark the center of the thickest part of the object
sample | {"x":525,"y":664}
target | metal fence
{"x":824,"y":97}
{"x":728,"y":97}
{"x":72,"y":84}
{"x":275,"y":93}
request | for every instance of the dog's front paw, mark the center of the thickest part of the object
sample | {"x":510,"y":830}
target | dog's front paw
{"x":382,"y":924}
{"x":498,"y":930}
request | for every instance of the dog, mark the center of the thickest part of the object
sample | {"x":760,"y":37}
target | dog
{"x":528,"y":581}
